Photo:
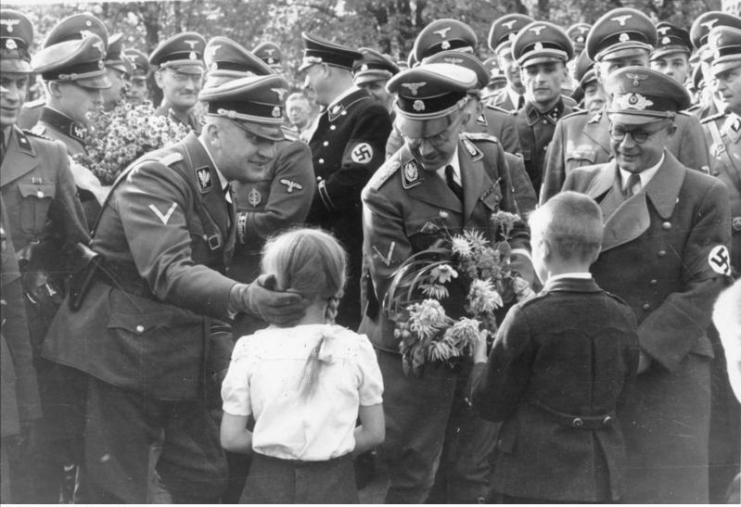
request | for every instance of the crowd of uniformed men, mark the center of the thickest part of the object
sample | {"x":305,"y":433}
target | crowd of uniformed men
{"x":110,"y":376}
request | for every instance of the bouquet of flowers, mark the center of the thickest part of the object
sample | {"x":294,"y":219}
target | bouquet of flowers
{"x":423,"y":283}
{"x":121,"y":136}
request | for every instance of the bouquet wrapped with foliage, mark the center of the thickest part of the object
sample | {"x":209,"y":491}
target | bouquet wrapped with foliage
{"x":421,"y":289}
{"x":121,"y":136}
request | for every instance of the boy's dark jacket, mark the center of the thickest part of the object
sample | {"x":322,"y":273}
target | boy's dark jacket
{"x":561,"y":364}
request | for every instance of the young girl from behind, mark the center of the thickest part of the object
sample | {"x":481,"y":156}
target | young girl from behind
{"x":305,"y":385}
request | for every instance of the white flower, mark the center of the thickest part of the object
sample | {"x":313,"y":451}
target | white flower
{"x":427,"y":317}
{"x":461,"y":247}
{"x":483,"y":298}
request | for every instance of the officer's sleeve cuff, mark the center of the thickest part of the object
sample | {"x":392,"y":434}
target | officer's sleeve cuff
{"x":324,"y":195}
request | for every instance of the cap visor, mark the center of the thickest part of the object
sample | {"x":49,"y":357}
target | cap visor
{"x":269,"y":132}
{"x":545,"y":58}
{"x":626,"y":50}
{"x":15,"y":65}
{"x":185,"y":66}
{"x":409,"y":127}
{"x":669,"y":51}
{"x":100,"y":82}
{"x":371,"y":77}
{"x":719,"y":67}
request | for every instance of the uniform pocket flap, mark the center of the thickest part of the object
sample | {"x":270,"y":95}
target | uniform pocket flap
{"x":588,"y":155}
{"x":37,"y":190}
{"x":139,"y":322}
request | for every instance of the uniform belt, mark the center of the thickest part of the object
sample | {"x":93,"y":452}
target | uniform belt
{"x":126,"y":279}
{"x":581,"y":422}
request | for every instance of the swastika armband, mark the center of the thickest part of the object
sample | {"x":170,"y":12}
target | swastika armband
{"x":720,"y":260}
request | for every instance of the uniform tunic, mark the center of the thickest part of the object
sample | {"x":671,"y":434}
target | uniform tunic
{"x":665,"y":253}
{"x":406,"y":210}
{"x":347,"y":147}
{"x":144,"y":331}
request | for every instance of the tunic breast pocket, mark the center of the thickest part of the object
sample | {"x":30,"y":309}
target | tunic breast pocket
{"x":581,"y":157}
{"x":423,"y":232}
{"x":34,"y":204}
{"x":492,"y":198}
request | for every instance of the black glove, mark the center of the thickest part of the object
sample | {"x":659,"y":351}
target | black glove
{"x":261,"y":299}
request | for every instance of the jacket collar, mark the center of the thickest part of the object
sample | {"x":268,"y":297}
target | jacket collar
{"x":63,"y":124}
{"x":571,"y":285}
{"x":532,"y":114}
{"x":339,"y":107}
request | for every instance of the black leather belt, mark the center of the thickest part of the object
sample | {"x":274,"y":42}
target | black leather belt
{"x":581,"y":422}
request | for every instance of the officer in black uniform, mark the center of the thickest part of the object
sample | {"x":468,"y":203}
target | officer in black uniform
{"x":179,"y":74}
{"x":541,"y":50}
{"x":347,"y":147}
{"x":45,"y":220}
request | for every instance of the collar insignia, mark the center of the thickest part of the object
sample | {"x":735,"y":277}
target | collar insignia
{"x":204,"y":179}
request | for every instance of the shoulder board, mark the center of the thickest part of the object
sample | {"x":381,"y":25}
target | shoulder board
{"x":170,"y":159}
{"x":289,"y":134}
{"x":578,"y":112}
{"x":498,"y":109}
{"x":385,"y":172}
{"x":716,"y":116}
{"x":479,"y":136}
{"x":37,"y":132}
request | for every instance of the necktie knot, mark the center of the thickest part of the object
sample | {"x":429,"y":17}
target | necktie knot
{"x":633,"y":186}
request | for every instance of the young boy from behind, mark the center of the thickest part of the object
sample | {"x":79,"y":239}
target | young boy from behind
{"x":560,"y":370}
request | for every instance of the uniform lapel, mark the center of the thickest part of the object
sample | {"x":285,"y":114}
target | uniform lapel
{"x":664,"y":187}
{"x":426,"y":186}
{"x":20,"y":158}
{"x":599,"y":132}
{"x":473,"y":177}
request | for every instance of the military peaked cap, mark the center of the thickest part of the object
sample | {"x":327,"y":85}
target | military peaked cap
{"x":271,"y":54}
{"x":227,"y":59}
{"x":373,"y":66}
{"x":75,"y":27}
{"x":16,"y":37}
{"x":542,"y":42}
{"x":78,"y":60}
{"x":672,"y":39}
{"x":183,"y":52}
{"x":504,"y":30}
{"x":619,"y":33}
{"x":724,"y":42}
{"x":643,"y":95}
{"x":709,"y":20}
{"x":441,"y":35}
{"x":318,"y":50}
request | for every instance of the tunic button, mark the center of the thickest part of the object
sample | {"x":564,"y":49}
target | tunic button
{"x":654,"y":282}
{"x":607,"y":421}
{"x":661,"y":253}
{"x":321,"y":160}
{"x":577,"y":422}
{"x":139,"y":328}
{"x":326,"y":143}
{"x":646,"y":307}
{"x":40,"y":194}
{"x":443,"y":214}
{"x":332,"y":127}
{"x":666,"y":226}
{"x":319,"y":178}
{"x":545,"y":122}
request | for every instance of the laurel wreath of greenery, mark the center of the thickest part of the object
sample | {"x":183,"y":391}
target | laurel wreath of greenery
{"x":421,"y":285}
{"x":120,"y":136}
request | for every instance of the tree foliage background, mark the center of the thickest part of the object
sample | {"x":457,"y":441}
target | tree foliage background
{"x":387,"y":25}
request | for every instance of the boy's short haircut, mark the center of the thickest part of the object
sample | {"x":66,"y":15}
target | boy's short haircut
{"x":571,"y":223}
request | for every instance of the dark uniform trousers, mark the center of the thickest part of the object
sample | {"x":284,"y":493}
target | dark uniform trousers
{"x":347,"y":147}
{"x":665,"y":254}
{"x":583,"y":139}
{"x":723,"y":136}
{"x":432,"y":436}
{"x":45,"y":220}
{"x":144,"y":335}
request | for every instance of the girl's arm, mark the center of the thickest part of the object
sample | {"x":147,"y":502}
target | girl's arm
{"x":372,"y":429}
{"x":235,"y":437}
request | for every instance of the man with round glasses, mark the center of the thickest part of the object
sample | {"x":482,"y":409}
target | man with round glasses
{"x":179,"y":74}
{"x":665,"y":252}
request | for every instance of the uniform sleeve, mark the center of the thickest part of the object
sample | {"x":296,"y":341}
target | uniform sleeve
{"x":508,"y":369}
{"x":522,"y":187}
{"x":371,"y":380}
{"x":669,"y":332}
{"x":510,"y":138}
{"x":693,"y":151}
{"x":66,"y":212}
{"x":385,"y":243}
{"x":155,"y":207}
{"x":235,"y":390}
{"x":291,"y":191}
{"x":363,"y":154}
{"x":555,"y":163}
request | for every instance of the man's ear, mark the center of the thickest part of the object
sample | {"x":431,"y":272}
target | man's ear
{"x":672,"y":129}
{"x":54,"y":89}
{"x":158,"y":79}
{"x":212,"y":134}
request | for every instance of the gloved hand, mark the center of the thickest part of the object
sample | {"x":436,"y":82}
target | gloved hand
{"x":261,"y":299}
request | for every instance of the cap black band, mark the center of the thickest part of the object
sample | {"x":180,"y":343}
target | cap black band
{"x":539,"y":46}
{"x":414,"y":106}
{"x":81,"y":70}
{"x":235,"y":66}
{"x":182,"y":55}
{"x":247,"y":108}
{"x":451,"y":44}
{"x":15,"y":54}
{"x":330,"y":57}
{"x":726,"y":51}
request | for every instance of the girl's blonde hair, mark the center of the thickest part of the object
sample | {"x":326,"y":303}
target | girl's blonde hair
{"x":313,"y":263}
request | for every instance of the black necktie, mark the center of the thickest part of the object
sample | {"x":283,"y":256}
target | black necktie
{"x":2,"y":146}
{"x":633,"y":180}
{"x":452,"y":184}
{"x":520,"y":102}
